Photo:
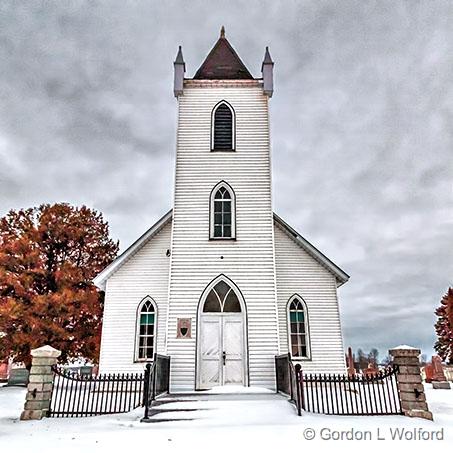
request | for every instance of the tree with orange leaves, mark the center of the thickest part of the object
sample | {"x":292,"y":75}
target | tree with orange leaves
{"x":48,"y":258}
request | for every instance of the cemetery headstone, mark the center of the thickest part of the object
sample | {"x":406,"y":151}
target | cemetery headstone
{"x":439,"y":380}
{"x":18,"y":376}
{"x":429,"y":372}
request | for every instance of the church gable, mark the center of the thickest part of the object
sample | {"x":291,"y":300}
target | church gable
{"x":132,"y":250}
{"x":311,"y":251}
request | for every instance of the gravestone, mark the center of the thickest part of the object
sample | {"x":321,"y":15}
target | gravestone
{"x":429,"y":373}
{"x":86,"y":370}
{"x":4,"y":371}
{"x":439,"y":380}
{"x":18,"y":376}
{"x":350,"y":362}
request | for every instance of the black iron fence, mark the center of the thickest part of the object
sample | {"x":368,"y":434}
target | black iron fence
{"x":286,"y":377}
{"x":75,"y":395}
{"x":157,"y":381}
{"x":339,"y":394}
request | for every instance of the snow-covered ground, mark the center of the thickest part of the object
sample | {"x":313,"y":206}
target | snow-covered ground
{"x":264,"y":422}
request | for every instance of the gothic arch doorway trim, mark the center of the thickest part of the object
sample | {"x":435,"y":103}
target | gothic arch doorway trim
{"x":222,"y":346}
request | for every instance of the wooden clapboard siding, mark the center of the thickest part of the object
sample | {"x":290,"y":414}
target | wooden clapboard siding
{"x":249,"y":260}
{"x":144,"y":274}
{"x":299,"y":273}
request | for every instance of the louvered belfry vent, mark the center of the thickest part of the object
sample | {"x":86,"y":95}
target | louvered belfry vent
{"x":223,"y":128}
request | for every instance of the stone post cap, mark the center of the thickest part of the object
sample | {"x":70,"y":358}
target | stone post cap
{"x":405,"y":351}
{"x":45,"y":351}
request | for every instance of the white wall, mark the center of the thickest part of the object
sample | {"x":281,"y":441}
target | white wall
{"x":299,"y":273}
{"x":144,"y":274}
{"x":248,"y":261}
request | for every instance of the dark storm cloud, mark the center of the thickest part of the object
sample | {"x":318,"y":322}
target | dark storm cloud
{"x":362,"y":131}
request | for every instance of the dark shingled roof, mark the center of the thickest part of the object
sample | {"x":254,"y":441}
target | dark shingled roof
{"x":223,"y":63}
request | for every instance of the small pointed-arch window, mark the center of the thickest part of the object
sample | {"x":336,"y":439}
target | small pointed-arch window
{"x":222,"y":298}
{"x":298,"y":329}
{"x":222,"y":213}
{"x":222,"y":128}
{"x":146,"y":331}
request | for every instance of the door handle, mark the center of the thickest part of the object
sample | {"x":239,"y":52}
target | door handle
{"x":224,"y":357}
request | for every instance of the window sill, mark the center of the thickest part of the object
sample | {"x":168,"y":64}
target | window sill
{"x":143,"y":361}
{"x":301,"y":359}
{"x":223,"y":150}
{"x":221,"y":239}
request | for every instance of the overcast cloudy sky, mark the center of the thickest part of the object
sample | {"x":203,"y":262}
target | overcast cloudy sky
{"x":361,"y":118}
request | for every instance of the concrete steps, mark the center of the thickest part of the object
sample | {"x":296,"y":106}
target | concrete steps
{"x":197,"y":405}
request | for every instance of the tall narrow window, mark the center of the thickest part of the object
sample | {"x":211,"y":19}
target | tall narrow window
{"x":222,"y":127}
{"x":222,"y":212}
{"x":146,"y":330}
{"x":298,"y":328}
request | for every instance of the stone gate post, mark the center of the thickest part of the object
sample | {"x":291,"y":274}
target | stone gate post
{"x":39,"y":388}
{"x":410,"y":386}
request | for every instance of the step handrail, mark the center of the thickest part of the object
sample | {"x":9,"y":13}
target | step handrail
{"x":157,"y":381}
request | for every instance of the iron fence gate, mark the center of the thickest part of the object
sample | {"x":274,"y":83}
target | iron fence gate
{"x":83,"y":396}
{"x":339,"y":394}
{"x":157,"y":381}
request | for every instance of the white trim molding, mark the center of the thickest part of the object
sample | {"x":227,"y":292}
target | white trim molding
{"x":243,"y":314}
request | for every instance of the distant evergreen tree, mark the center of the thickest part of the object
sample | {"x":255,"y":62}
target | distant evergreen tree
{"x":373,"y":356}
{"x":444,"y":328}
{"x":362,"y":359}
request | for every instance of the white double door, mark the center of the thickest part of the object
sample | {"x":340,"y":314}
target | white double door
{"x":222,"y":350}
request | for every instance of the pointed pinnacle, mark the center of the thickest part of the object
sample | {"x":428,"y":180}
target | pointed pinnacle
{"x":222,"y":32}
{"x":179,"y":57}
{"x":267,"y":56}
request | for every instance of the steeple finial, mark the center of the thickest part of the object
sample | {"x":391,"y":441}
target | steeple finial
{"x":179,"y":57}
{"x":222,"y":32}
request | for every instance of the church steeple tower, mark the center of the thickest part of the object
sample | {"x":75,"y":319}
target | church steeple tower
{"x":223,"y":223}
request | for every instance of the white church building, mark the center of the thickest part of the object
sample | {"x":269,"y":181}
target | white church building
{"x":220,"y":283}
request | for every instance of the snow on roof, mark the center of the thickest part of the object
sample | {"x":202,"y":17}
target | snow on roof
{"x":405,"y":346}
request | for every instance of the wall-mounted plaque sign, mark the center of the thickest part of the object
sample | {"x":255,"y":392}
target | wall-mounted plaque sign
{"x":184,"y":329}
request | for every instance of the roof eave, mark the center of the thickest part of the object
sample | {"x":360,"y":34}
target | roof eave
{"x":340,"y":275}
{"x":101,"y":279}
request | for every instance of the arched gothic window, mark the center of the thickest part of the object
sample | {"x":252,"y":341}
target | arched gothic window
{"x":223,"y":130}
{"x":222,"y":299}
{"x":298,"y":327}
{"x":146,"y":330}
{"x":223,"y":216}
